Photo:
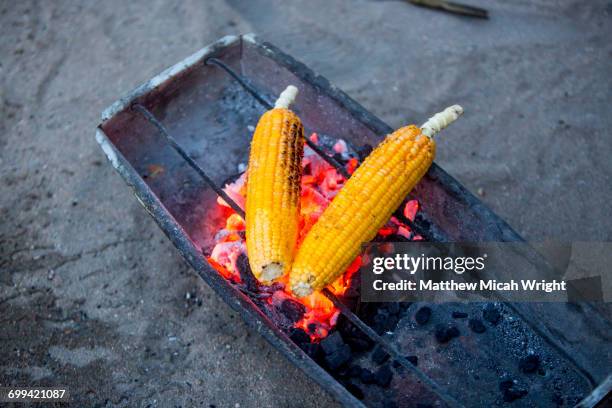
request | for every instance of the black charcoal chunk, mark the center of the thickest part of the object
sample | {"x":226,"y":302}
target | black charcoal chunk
{"x":299,"y":336}
{"x":505,"y":384}
{"x":339,"y":158}
{"x":389,"y":403}
{"x":294,"y":311}
{"x":332,"y":343}
{"x":414,"y":360}
{"x":557,"y":400}
{"x":511,"y":390}
{"x":352,"y":292}
{"x":384,"y":375}
{"x":379,"y":355}
{"x":358,"y":344}
{"x":391,"y":323}
{"x":244,"y":269}
{"x":491,"y":314}
{"x":342,"y":372}
{"x":338,"y":358}
{"x":380,"y":323}
{"x":367,"y":376}
{"x":445,"y":332}
{"x":422,"y":315}
{"x":364,"y":151}
{"x":459,"y":315}
{"x":477,"y":325}
{"x":355,"y":371}
{"x":529,"y":364}
{"x":313,"y":350}
{"x":355,"y":390}
{"x":393,"y":308}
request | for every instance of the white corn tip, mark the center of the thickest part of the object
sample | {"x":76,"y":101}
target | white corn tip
{"x":441,"y":120}
{"x":271,"y":271}
{"x":287,"y":97}
{"x":302,"y":289}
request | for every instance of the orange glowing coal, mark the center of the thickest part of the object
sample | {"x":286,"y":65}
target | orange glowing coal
{"x":320,"y":184}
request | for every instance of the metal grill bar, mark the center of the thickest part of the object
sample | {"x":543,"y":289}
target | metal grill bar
{"x":262,"y":100}
{"x":415,"y":228}
{"x":329,"y":159}
{"x":162,"y":129}
{"x":372,"y":335}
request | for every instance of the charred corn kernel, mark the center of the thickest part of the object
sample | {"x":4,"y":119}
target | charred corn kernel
{"x":366,"y":203}
{"x":273,"y":190}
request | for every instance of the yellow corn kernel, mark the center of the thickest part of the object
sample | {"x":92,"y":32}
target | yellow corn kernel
{"x":273,"y":190}
{"x":366,"y":203}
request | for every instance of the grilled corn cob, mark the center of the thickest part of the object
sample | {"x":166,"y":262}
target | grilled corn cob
{"x":273,"y":189}
{"x":366,"y":203}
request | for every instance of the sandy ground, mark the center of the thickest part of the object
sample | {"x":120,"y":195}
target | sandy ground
{"x":93,"y":296}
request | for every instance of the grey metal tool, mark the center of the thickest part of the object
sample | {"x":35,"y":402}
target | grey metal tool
{"x":452,"y":7}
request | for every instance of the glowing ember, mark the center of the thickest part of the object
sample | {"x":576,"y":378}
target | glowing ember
{"x":320,"y":184}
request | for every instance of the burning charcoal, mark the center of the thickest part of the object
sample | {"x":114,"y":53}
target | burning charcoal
{"x":355,"y":371}
{"x":354,"y":389}
{"x":332,"y":343}
{"x":511,"y":390}
{"x":293,"y":310}
{"x":529,"y":364}
{"x":459,"y":315}
{"x":422,"y":315}
{"x":299,"y":337}
{"x":351,"y":293}
{"x":491,"y":314}
{"x":338,"y":358}
{"x":384,"y":375}
{"x":379,"y":355}
{"x":395,"y":238}
{"x":476,"y":325}
{"x":367,"y":376}
{"x":246,"y":275}
{"x":444,"y":333}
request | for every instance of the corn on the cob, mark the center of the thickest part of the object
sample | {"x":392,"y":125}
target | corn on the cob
{"x":273,"y":189}
{"x":366,"y":203}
